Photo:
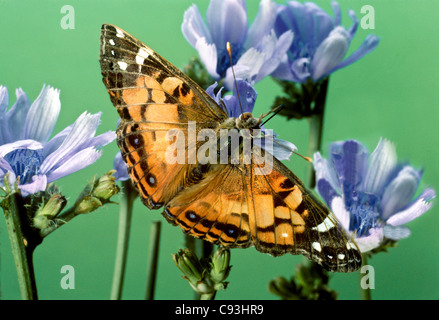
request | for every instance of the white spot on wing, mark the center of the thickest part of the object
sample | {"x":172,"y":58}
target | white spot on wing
{"x":111,"y":41}
{"x":143,"y":53}
{"x":325,"y":225}
{"x":122,"y":65}
{"x":139,"y":59}
{"x":119,"y":33}
{"x":317,"y":246}
{"x":341,"y":256}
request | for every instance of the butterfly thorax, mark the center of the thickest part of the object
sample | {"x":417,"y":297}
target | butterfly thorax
{"x":244,"y":121}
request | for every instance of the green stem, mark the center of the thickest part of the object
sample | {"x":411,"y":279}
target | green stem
{"x":151,"y":272}
{"x":22,"y":248}
{"x":125,"y":214}
{"x":208,"y":296}
{"x":365,"y":294}
{"x":316,"y":127}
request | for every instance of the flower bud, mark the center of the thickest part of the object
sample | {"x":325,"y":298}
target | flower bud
{"x":106,"y":186}
{"x":47,"y":212}
{"x":87,"y":205}
{"x":220,"y":265}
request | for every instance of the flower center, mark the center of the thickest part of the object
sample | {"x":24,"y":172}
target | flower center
{"x":363,"y":218}
{"x":224,"y":59}
{"x":25,"y":163}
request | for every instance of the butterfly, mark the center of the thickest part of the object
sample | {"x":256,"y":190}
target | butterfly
{"x":235,"y":205}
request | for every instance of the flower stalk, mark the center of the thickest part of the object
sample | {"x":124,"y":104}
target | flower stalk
{"x":22,"y":248}
{"x":151,"y":272}
{"x":125,"y":215}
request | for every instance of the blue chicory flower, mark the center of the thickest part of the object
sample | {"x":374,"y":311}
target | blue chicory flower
{"x":26,"y":151}
{"x":371,"y":196}
{"x":256,"y":51}
{"x":320,"y":43}
{"x":281,"y":149}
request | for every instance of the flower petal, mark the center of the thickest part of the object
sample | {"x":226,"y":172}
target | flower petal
{"x":75,"y":163}
{"x":83,"y":129}
{"x":246,"y":68}
{"x":120,"y":166}
{"x":262,"y":24}
{"x":368,"y":45}
{"x":4,"y":99}
{"x":350,"y":162}
{"x":21,"y":144}
{"x":326,"y":177}
{"x":193,"y":26}
{"x":372,"y":241}
{"x":421,"y":205}
{"x":100,"y":140}
{"x":330,"y":53}
{"x":339,"y":209}
{"x":400,"y":191}
{"x":227,"y":21}
{"x":383,"y":161}
{"x":396,"y":233}
{"x":42,"y":115}
{"x":39,"y":183}
{"x":208,"y":55}
{"x":17,"y":115}
{"x":273,"y":57}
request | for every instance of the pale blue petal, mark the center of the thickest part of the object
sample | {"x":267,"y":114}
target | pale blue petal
{"x":208,"y":55}
{"x":262,"y":24}
{"x":381,"y":166}
{"x":246,"y":99}
{"x":39,"y":183}
{"x":343,"y":216}
{"x":193,"y":26}
{"x":83,"y":129}
{"x":42,"y":115}
{"x":77,"y":162}
{"x":246,"y":68}
{"x":273,"y":58}
{"x":4,"y":99}
{"x":100,"y":140}
{"x":283,"y":71}
{"x":17,"y":115}
{"x":421,"y":205}
{"x":227,"y":21}
{"x":337,"y":12}
{"x":400,"y":191}
{"x":120,"y":166}
{"x":330,"y":53}
{"x":372,"y":241}
{"x":300,"y":69}
{"x":21,"y":144}
{"x":396,"y":233}
{"x":369,"y":44}
{"x":56,"y":141}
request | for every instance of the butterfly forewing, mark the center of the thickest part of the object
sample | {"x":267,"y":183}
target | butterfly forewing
{"x":235,"y":205}
{"x":152,"y":97}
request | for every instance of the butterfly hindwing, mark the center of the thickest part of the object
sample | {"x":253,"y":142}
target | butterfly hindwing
{"x":239,"y":206}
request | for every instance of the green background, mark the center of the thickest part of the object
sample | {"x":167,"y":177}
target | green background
{"x":392,"y":93}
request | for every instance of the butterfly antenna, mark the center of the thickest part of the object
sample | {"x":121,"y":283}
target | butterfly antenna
{"x":275,"y":111}
{"x":229,"y":51}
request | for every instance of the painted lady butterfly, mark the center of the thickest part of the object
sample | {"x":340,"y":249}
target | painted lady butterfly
{"x":227,"y":204}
